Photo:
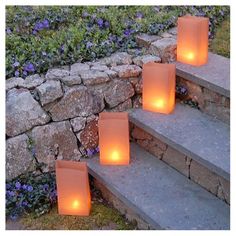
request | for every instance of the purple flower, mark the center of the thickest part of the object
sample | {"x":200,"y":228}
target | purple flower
{"x":106,"y":24}
{"x":8,"y":30}
{"x":45,"y":187}
{"x":16,"y":63}
{"x":38,"y":26}
{"x":25,"y":73}
{"x":45,"y":23}
{"x":100,"y":22}
{"x":17,"y":73}
{"x":18,"y":185}
{"x":128,"y":32}
{"x":62,"y":49}
{"x":24,"y":203}
{"x":89,"y":153}
{"x":97,"y":149}
{"x":24,"y":186}
{"x":13,"y":217}
{"x":29,"y":188}
{"x":85,"y":14}
{"x":89,"y":44}
{"x":29,"y":67}
{"x":34,"y":32}
{"x":10,"y":193}
{"x":8,"y":186}
{"x":139,"y":15}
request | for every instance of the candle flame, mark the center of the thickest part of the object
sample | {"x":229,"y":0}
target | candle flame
{"x":190,"y":55}
{"x":159,"y":103}
{"x":75,"y":204}
{"x":115,"y":155}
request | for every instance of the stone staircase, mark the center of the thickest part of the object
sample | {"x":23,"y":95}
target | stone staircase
{"x":179,"y":175}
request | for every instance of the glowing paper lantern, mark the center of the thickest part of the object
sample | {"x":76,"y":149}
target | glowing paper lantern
{"x":158,"y":87}
{"x":73,"y":188}
{"x":114,"y":138}
{"x":192,"y":40}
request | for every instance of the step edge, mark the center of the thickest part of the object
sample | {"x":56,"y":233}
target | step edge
{"x":181,"y":149}
{"x":135,"y":208}
{"x":200,"y":81}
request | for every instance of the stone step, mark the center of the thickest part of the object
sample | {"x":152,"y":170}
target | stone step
{"x":208,"y":85}
{"x":195,"y":144}
{"x":160,"y":195}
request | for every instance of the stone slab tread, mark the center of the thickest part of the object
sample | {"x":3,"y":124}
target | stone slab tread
{"x":160,"y":195}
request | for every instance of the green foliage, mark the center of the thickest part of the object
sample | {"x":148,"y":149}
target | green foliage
{"x":39,"y":37}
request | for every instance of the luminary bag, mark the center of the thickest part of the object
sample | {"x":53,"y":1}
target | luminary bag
{"x":159,"y":87}
{"x":73,"y":189}
{"x":114,"y":138}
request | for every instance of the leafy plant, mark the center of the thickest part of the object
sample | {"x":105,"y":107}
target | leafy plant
{"x":30,"y":193}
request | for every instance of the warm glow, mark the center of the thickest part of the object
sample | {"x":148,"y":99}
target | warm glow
{"x":75,"y":204}
{"x":73,"y":191}
{"x":115,"y":156}
{"x":190,"y":56}
{"x":159,"y":104}
{"x":158,"y":87}
{"x":192,"y":40}
{"x":113,"y":130}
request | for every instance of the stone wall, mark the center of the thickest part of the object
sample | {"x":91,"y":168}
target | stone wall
{"x":193,"y":170}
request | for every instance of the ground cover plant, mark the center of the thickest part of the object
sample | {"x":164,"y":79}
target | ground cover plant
{"x":39,"y":37}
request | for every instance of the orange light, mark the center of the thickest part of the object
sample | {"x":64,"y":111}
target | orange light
{"x":192,"y":40}
{"x":158,"y":87}
{"x":115,"y":156}
{"x":72,"y":181}
{"x":113,"y":130}
{"x":75,"y":204}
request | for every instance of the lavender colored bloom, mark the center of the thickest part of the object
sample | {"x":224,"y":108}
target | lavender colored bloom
{"x":106,"y":24}
{"x":45,"y":23}
{"x":85,"y":14}
{"x":18,"y":185}
{"x":8,"y":30}
{"x":24,"y":186}
{"x":34,"y":32}
{"x":17,"y":73}
{"x":89,"y":152}
{"x":97,"y":149}
{"x":45,"y":187}
{"x":25,"y":73}
{"x":24,"y":203}
{"x":128,"y":32}
{"x":8,"y":186}
{"x":62,"y":49}
{"x":39,"y":26}
{"x":29,"y":67}
{"x":10,"y":193}
{"x":100,"y":22}
{"x":29,"y":188}
{"x":139,"y":15}
{"x":16,"y":63}
{"x":89,"y":44}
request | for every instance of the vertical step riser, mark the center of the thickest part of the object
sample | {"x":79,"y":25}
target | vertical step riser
{"x":190,"y":168}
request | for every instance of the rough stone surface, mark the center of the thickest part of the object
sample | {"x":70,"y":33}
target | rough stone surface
{"x":164,"y":48}
{"x":33,"y":81}
{"x":122,"y":89}
{"x":118,"y":58}
{"x":78,"y":123}
{"x":204,"y":177}
{"x":99,"y":67}
{"x":177,"y":160}
{"x":22,"y":112}
{"x":140,"y":60}
{"x":173,"y":31}
{"x":179,"y":203}
{"x":56,"y":74}
{"x":123,"y":106}
{"x":215,"y":75}
{"x":89,"y":135}
{"x":71,"y":80}
{"x":49,"y":91}
{"x":126,"y":71}
{"x":18,"y":157}
{"x":192,"y":133}
{"x":224,"y":190}
{"x":111,"y":73}
{"x":78,"y":67}
{"x":77,"y":101}
{"x":92,"y":77}
{"x":137,"y":101}
{"x":55,"y":141}
{"x":14,"y":82}
{"x":138,"y":133}
{"x":144,"y":40}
